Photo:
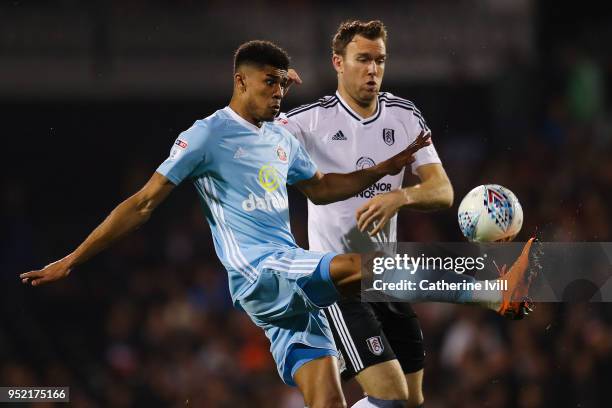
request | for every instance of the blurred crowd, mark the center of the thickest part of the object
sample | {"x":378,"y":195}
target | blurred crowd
{"x":150,"y":323}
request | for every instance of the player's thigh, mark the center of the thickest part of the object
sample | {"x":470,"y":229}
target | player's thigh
{"x":345,"y":272}
{"x":364,"y":348}
{"x":319,"y":382}
{"x":384,"y":380}
{"x":403,"y":332}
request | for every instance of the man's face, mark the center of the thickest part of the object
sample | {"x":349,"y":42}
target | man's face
{"x":263,"y":91}
{"x":361,"y":68}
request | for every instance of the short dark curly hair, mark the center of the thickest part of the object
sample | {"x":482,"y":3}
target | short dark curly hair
{"x":260,"y":53}
{"x":371,"y":30}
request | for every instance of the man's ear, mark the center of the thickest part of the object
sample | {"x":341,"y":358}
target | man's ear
{"x":240,"y":81}
{"x":338,"y":63}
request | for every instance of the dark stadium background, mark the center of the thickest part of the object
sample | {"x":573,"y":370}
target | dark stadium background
{"x":92,"y":95}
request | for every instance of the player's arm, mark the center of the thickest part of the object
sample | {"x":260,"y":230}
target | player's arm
{"x":332,"y":187}
{"x":125,"y":218}
{"x":432,"y":193}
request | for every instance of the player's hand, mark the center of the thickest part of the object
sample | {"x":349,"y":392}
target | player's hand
{"x":396,"y":163}
{"x":52,"y":272}
{"x":292,"y":78}
{"x":376,"y":212}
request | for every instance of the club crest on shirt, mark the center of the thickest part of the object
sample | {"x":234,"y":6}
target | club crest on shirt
{"x":388,"y":136}
{"x":282,"y":156}
{"x":364,"y":162}
{"x":375,"y":345}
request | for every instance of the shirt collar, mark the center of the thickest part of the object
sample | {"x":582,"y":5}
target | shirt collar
{"x":355,"y":115}
{"x":242,"y":120}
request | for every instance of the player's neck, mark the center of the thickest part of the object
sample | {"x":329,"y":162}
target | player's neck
{"x":241,"y":111}
{"x":365,"y":111}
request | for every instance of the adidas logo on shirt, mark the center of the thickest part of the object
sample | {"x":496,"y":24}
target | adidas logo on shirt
{"x":339,"y":136}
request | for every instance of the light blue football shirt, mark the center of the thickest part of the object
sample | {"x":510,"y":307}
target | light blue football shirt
{"x":240,"y":172}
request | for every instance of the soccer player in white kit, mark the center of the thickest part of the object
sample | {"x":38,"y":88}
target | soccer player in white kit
{"x":380,"y":343}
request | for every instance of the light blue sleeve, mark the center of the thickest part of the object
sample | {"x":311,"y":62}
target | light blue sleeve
{"x":186,"y":154}
{"x":301,"y":166}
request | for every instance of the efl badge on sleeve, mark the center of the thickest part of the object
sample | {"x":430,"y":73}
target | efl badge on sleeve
{"x":177,"y":149}
{"x":389,"y":136}
{"x":375,"y":345}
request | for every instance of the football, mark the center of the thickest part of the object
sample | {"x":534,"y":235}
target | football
{"x":490,"y":213}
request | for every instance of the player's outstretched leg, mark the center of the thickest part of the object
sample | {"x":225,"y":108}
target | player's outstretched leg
{"x":319,"y":382}
{"x":345,"y":272}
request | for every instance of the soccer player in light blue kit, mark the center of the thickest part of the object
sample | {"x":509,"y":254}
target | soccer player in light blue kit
{"x":240,"y":163}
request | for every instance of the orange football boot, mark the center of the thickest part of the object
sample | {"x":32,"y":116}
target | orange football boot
{"x":515,"y":302}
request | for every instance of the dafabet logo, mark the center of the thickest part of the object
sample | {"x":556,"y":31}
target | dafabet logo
{"x":272,"y":200}
{"x":268,"y":178}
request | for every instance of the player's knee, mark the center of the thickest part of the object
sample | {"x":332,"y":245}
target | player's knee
{"x":416,"y":400}
{"x":396,"y":394}
{"x":328,"y":401}
{"x":356,"y":265}
{"x":388,"y":391}
{"x":391,"y":393}
{"x":385,"y":381}
{"x":353,"y":264}
{"x":414,"y":404}
{"x":325,"y":397}
{"x":345,"y":269}
{"x":415,"y":388}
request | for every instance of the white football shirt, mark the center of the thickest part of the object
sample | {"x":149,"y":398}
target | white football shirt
{"x":340,"y":141}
